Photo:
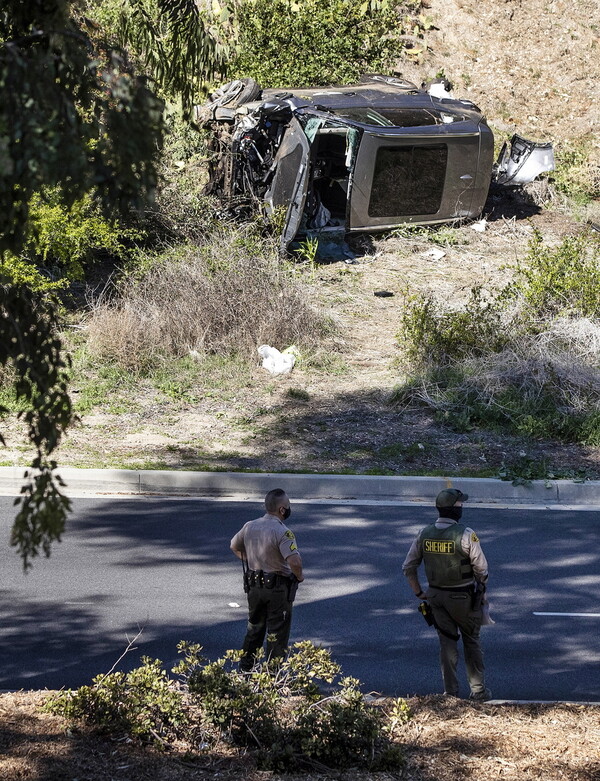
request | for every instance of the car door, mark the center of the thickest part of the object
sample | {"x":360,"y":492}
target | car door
{"x":290,"y":182}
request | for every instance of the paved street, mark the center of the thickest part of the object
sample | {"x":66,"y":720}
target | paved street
{"x":164,"y":565}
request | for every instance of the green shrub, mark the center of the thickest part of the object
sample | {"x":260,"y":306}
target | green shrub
{"x":557,"y":281}
{"x":525,"y":360}
{"x":69,"y":238}
{"x":142,"y":703}
{"x":303,"y":43}
{"x":21,"y":272}
{"x":577,"y":174}
{"x":304,"y":667}
{"x":106,"y":14}
{"x":230,"y":702}
{"x":341,"y":731}
{"x":277,"y":710}
{"x":522,"y":469}
{"x":430,"y":334}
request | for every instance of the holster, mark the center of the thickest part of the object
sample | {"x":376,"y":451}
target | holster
{"x":477,"y":599}
{"x":427,"y":613}
{"x":292,"y":588}
{"x":258,"y":578}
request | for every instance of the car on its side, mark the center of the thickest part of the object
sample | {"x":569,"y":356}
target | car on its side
{"x":359,"y":158}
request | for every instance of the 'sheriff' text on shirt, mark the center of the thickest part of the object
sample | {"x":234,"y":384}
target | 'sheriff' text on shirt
{"x":439,"y":546}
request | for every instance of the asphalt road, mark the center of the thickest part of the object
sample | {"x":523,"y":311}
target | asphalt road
{"x":164,"y":566}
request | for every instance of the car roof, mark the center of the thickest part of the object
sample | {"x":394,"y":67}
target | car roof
{"x":372,"y":95}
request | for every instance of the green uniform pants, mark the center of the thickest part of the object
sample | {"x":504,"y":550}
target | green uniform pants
{"x":452,"y":611}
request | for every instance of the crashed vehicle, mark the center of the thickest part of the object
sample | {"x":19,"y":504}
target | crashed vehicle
{"x":360,"y":158}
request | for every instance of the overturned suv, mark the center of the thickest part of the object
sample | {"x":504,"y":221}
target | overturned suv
{"x":360,"y":158}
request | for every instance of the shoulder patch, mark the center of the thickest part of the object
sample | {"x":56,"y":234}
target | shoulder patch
{"x":289,"y":535}
{"x":474,"y":537}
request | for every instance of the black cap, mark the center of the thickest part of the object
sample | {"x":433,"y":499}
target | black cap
{"x":449,"y":497}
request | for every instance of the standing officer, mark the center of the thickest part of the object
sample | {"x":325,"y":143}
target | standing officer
{"x":456,"y":568}
{"x":270,"y":581}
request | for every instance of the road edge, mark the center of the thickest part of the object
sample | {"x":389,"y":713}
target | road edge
{"x":550,"y":493}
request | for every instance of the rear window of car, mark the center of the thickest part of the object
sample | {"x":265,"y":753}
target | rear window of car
{"x":408,"y":180}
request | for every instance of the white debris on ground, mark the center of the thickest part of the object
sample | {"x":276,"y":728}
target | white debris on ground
{"x":480,"y":226}
{"x":277,"y":362}
{"x":434,"y":254}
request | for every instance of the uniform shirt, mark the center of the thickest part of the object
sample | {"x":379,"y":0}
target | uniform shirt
{"x":266,"y":543}
{"x":469,"y":544}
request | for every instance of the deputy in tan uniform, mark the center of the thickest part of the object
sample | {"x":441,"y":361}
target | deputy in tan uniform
{"x":454,"y":564}
{"x":274,"y":568}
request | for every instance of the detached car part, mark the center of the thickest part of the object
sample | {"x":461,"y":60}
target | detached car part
{"x":522,"y":161}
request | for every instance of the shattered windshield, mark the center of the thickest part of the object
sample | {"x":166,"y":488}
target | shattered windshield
{"x":312,"y":126}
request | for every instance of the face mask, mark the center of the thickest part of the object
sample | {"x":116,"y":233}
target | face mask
{"x":454,"y":513}
{"x":286,"y":513}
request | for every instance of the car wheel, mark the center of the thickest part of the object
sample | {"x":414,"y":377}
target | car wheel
{"x":236,"y":93}
{"x":229,"y":96}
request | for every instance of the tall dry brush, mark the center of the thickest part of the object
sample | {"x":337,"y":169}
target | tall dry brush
{"x":227,"y":296}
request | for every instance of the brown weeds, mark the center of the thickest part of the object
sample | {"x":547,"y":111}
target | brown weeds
{"x":229,"y":295}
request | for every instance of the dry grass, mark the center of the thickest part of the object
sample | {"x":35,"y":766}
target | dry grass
{"x":226,"y":296}
{"x":446,"y":740}
{"x":537,"y":381}
{"x":452,"y":740}
{"x":563,"y":360}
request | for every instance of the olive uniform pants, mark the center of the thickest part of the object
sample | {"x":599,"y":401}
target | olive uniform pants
{"x":452,"y":611}
{"x":269,"y":613}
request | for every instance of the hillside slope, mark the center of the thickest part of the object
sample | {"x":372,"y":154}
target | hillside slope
{"x":532,"y":65}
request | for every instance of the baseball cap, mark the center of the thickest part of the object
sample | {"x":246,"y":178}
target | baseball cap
{"x":449,"y":497}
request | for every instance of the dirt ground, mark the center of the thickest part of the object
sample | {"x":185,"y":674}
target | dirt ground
{"x":339,"y":417}
{"x":531,"y":65}
{"x":446,"y":740}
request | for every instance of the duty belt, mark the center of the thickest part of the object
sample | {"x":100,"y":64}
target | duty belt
{"x":257,"y":577}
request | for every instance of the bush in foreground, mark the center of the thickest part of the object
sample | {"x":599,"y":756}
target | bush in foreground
{"x":278,"y":711}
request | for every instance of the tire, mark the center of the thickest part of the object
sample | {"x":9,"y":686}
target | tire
{"x":229,"y":96}
{"x":236,"y":93}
